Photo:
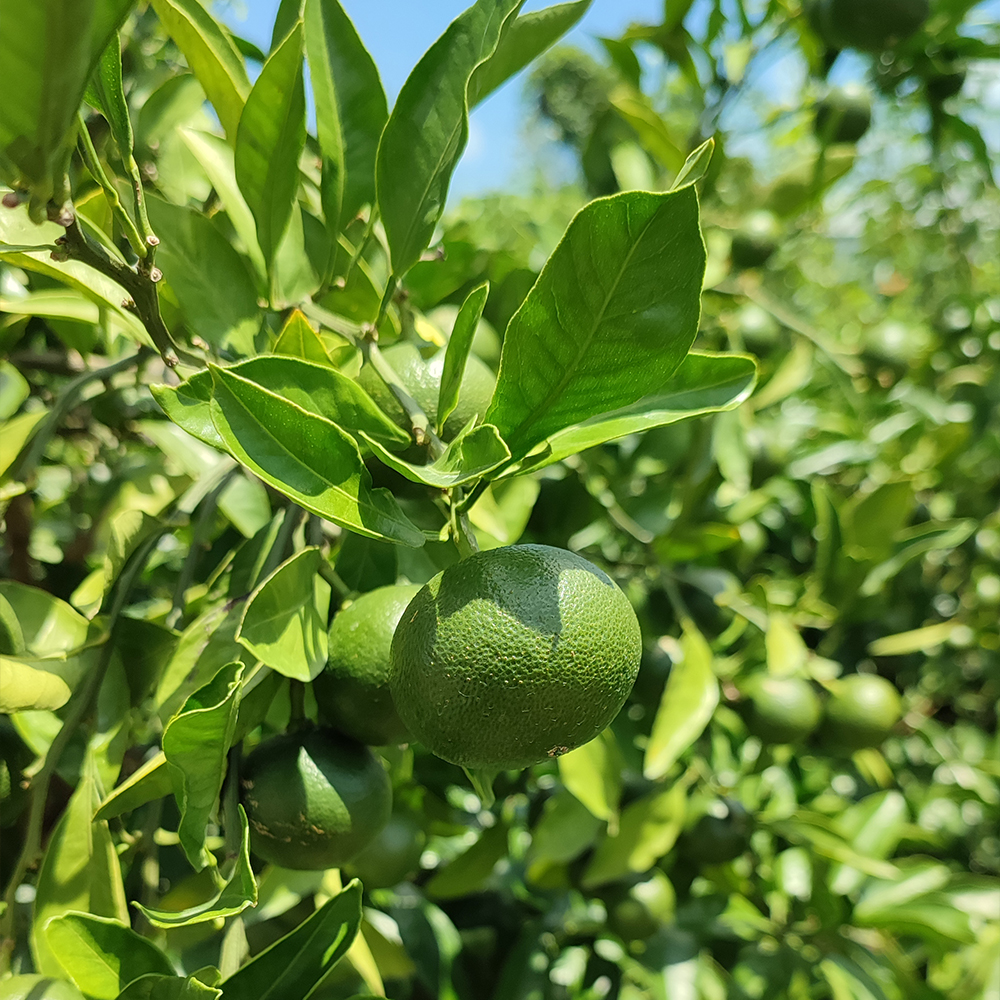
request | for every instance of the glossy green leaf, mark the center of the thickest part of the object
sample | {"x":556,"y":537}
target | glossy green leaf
{"x":873,"y":827}
{"x":285,"y":619}
{"x":566,"y":829}
{"x":470,"y":871}
{"x":187,"y":406}
{"x":11,"y":633}
{"x":154,"y":987}
{"x":822,"y":835}
{"x":237,"y":893}
{"x":593,"y":773}
{"x":102,"y":956}
{"x":304,"y":456}
{"x":522,"y":40}
{"x":269,"y":142}
{"x":474,"y":453}
{"x":150,"y":782}
{"x":297,"y":963}
{"x":649,"y":827}
{"x":695,"y":166}
{"x":457,"y":352}
{"x":197,"y":261}
{"x":217,"y":160}
{"x":351,"y":110}
{"x":80,"y":872}
{"x":609,"y":320}
{"x":428,"y":129}
{"x":195,"y":744}
{"x":688,"y":701}
{"x":211,"y":54}
{"x":14,"y":388}
{"x":299,"y":340}
{"x":50,"y":49}
{"x":16,"y":433}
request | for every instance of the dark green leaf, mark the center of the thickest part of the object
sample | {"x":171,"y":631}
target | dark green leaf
{"x":474,"y":453}
{"x":108,"y":91}
{"x":471,"y":870}
{"x":211,"y":54}
{"x":428,"y":129}
{"x":522,"y":40}
{"x":237,"y":893}
{"x":457,"y":353}
{"x":704,"y":383}
{"x":364,"y":564}
{"x":351,"y":110}
{"x":688,"y":701}
{"x":103,"y":956}
{"x":304,"y":456}
{"x":195,"y":744}
{"x":285,"y":619}
{"x":609,"y":320}
{"x":269,"y":142}
{"x":296,"y":964}
{"x":197,"y":261}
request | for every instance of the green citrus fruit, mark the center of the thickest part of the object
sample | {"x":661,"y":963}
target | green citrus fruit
{"x":871,"y":27}
{"x":422,"y":380}
{"x":393,"y":855}
{"x":861,"y":711}
{"x":720,"y":835}
{"x":353,"y":691}
{"x":314,"y":798}
{"x":756,"y":240}
{"x":844,"y":114}
{"x":643,"y":909}
{"x":513,"y":656}
{"x":782,"y":709}
{"x":35,"y":987}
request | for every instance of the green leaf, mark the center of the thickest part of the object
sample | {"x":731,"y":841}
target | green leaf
{"x":874,"y":826}
{"x":217,"y":160}
{"x":351,"y":110}
{"x":522,"y":40}
{"x":195,"y":744}
{"x":688,"y":701}
{"x":238,"y":892}
{"x":285,"y":620}
{"x":50,"y":49}
{"x":593,"y":773}
{"x":187,"y":405}
{"x":211,"y":54}
{"x":609,"y":319}
{"x":16,"y":433}
{"x":304,"y":456}
{"x":428,"y":129}
{"x":299,"y":340}
{"x":457,"y":352}
{"x":474,"y":452}
{"x":786,"y":651}
{"x":108,"y":92}
{"x":695,"y":166}
{"x":297,"y":963}
{"x":635,"y":108}
{"x":102,"y":956}
{"x":826,"y":840}
{"x":470,"y":871}
{"x":197,"y":261}
{"x":847,"y":981}
{"x":80,"y":872}
{"x":269,"y":142}
{"x":566,"y":829}
{"x":11,"y":633}
{"x":150,"y":782}
{"x":168,"y":988}
{"x":649,"y":828}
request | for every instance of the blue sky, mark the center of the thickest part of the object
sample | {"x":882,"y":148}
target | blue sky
{"x":398,"y":32}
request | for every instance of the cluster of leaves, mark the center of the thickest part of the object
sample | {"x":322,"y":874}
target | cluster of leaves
{"x":170,"y":581}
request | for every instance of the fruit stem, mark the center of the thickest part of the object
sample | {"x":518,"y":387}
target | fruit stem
{"x":482,"y":779}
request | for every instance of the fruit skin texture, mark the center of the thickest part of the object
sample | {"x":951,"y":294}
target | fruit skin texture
{"x":392,"y":855}
{"x":422,"y":380}
{"x":514,"y":655}
{"x":843,"y":115}
{"x":353,"y":690}
{"x":314,"y":799}
{"x":861,"y":711}
{"x":756,"y":240}
{"x":782,"y":709}
{"x":34,"y":987}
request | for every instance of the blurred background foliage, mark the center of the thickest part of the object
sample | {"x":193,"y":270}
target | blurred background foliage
{"x":716,"y":842}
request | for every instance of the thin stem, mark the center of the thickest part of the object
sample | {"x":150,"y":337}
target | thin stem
{"x":387,"y":297}
{"x":93,"y":162}
{"x":333,"y":578}
{"x":144,"y":301}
